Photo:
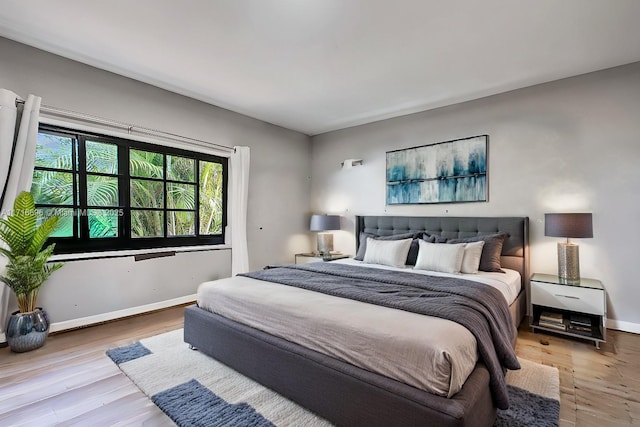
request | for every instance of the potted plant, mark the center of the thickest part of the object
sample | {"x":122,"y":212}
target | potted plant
{"x":26,"y":270}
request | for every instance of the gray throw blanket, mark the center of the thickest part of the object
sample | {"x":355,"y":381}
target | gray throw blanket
{"x":480,"y":308}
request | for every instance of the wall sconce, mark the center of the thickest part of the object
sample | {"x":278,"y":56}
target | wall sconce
{"x":324,"y":223}
{"x":569,"y":225}
{"x":349,"y":163}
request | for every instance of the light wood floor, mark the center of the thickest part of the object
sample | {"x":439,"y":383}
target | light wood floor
{"x":597,"y":387}
{"x":70,"y":381}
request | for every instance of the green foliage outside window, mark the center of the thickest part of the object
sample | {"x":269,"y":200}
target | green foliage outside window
{"x":210,"y":198}
{"x":54,"y":187}
{"x":169,"y":195}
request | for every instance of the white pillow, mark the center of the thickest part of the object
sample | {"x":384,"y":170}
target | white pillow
{"x":387,"y":252}
{"x":471,"y":258}
{"x":444,"y":257}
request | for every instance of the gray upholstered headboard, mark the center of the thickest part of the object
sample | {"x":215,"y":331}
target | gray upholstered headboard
{"x":515,"y":251}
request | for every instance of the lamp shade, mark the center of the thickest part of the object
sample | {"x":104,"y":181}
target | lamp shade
{"x":569,"y":225}
{"x":324,"y":222}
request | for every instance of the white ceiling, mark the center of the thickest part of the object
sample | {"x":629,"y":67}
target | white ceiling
{"x":321,"y":65}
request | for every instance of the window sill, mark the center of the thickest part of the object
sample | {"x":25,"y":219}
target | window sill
{"x":130,"y":253}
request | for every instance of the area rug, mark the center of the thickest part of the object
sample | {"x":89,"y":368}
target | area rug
{"x":196,"y":390}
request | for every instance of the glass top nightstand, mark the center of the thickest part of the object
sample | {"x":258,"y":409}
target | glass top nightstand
{"x":555,"y":280}
{"x":314,"y":257}
{"x":577,"y":309}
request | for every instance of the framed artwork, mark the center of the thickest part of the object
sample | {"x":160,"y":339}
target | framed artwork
{"x":445,"y":172}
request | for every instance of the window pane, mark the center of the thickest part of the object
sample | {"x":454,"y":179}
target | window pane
{"x":102,"y":158}
{"x":210,"y":198}
{"x":54,"y":188}
{"x":147,"y":194}
{"x":180,"y":196}
{"x":65,"y":223}
{"x":53,"y":151}
{"x":181,"y":169}
{"x":147,"y":224}
{"x":103,"y":222}
{"x":146,"y":164}
{"x":102,"y":190}
{"x":181,"y":223}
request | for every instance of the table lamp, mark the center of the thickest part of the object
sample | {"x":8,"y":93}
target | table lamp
{"x":568,"y":225}
{"x":324,"y":223}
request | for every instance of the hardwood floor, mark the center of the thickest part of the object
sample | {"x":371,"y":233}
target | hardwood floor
{"x":597,"y":387}
{"x":70,"y":381}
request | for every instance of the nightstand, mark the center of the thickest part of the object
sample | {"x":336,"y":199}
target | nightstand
{"x":574,"y":309}
{"x":314,"y":257}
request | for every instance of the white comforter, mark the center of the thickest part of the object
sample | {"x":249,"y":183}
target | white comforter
{"x":429,"y":353}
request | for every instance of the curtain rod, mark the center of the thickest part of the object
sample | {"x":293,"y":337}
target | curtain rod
{"x":88,"y":118}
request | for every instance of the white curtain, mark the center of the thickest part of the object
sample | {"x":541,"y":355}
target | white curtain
{"x":18,"y":137}
{"x":239,"y":192}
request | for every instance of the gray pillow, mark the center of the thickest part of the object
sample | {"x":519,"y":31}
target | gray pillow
{"x":430,"y":238}
{"x":412,"y":256}
{"x":491,"y":251}
{"x":434,"y":238}
{"x":413,"y":250}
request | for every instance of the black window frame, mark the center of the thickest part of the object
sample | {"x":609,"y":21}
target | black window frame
{"x":82,"y":243}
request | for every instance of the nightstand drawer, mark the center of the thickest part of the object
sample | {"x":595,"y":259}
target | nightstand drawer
{"x":307,"y":259}
{"x":583,"y":300}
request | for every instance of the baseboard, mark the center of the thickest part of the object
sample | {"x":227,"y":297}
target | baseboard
{"x":619,"y":325}
{"x":113,"y":315}
{"x":104,"y":317}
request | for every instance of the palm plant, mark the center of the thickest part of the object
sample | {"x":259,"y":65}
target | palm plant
{"x":27,"y":267}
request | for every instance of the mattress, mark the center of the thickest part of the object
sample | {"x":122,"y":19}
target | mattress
{"x":428,"y":353}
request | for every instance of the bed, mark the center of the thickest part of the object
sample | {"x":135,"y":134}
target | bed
{"x":345,"y":393}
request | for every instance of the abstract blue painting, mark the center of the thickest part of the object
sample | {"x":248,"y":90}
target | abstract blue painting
{"x":446,"y":172}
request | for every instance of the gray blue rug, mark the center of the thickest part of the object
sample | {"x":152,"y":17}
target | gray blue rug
{"x":196,"y":390}
{"x":192,"y":404}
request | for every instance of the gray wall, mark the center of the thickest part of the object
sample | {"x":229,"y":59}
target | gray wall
{"x":278,"y":191}
{"x":570,"y":145}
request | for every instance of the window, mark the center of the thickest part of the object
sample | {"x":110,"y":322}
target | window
{"x":112,"y":193}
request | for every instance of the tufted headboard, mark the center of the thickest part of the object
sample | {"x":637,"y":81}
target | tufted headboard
{"x":515,"y":251}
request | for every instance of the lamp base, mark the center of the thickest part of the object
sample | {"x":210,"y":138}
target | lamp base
{"x":325,"y":243}
{"x":568,"y":262}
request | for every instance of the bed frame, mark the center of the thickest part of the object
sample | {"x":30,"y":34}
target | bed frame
{"x":347,"y":395}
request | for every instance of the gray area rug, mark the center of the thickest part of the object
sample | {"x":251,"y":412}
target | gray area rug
{"x":196,"y":390}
